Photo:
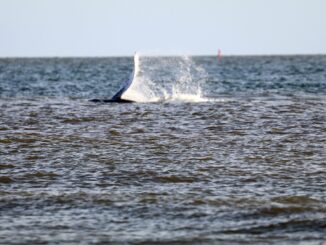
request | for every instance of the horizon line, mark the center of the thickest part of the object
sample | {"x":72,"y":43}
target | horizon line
{"x":158,"y":55}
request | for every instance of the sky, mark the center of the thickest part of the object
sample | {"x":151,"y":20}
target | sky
{"x":34,"y":28}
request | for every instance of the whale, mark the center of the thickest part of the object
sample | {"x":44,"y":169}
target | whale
{"x":124,"y":95}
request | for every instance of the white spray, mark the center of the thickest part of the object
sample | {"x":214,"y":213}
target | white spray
{"x":163,"y":78}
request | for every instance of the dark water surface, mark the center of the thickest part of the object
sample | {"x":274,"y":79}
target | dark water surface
{"x":247,"y":167}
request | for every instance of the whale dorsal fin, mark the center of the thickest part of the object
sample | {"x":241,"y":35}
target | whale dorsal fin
{"x":125,"y":93}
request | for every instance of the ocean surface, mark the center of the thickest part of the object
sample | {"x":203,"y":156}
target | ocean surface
{"x":222,"y":151}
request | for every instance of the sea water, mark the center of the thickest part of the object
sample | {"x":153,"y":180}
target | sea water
{"x":221,"y":151}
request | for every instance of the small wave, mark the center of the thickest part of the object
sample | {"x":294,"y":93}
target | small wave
{"x":5,"y":180}
{"x":182,"y":97}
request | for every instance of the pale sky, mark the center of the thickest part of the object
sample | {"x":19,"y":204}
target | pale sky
{"x":121,"y":27}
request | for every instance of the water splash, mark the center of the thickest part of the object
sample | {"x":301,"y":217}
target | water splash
{"x":166,"y":78}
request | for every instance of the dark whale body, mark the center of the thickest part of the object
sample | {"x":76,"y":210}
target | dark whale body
{"x":116,"y":98}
